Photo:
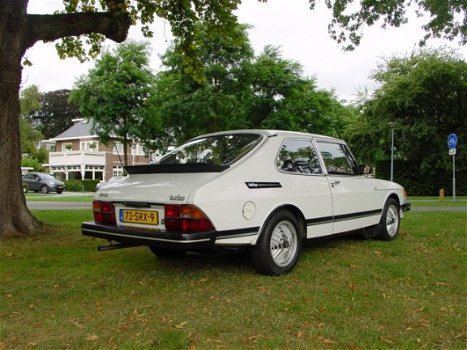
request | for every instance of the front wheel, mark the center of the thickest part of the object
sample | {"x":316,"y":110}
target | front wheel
{"x":278,"y":248}
{"x":390,"y":221}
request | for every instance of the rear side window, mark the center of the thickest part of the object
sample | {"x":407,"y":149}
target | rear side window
{"x":337,"y":158}
{"x":299,"y":157}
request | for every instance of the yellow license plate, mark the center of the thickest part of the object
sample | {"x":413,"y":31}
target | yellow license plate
{"x":146,"y":217}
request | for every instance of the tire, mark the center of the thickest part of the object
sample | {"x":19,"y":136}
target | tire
{"x":25,"y":188}
{"x":44,"y":189}
{"x":167,"y":253}
{"x":388,"y":228}
{"x":278,"y":248}
{"x":59,"y":191}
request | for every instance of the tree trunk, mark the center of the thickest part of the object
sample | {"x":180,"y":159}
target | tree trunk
{"x":18,"y":32}
{"x":15,"y":217}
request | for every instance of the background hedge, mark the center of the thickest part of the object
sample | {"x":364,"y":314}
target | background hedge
{"x":81,"y":185}
{"x":421,"y":182}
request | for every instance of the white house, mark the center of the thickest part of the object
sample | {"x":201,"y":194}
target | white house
{"x":77,"y":154}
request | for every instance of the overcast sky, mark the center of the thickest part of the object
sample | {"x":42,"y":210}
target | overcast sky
{"x":289,"y":24}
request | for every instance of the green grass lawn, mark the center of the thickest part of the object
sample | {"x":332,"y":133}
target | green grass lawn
{"x":57,"y":291}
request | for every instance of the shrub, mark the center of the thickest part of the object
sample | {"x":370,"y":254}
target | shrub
{"x":90,"y":185}
{"x":74,"y":185}
{"x":81,"y":185}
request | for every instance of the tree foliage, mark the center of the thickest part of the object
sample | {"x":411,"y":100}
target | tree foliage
{"x":182,"y":16}
{"x":424,"y":95}
{"x":115,"y":94}
{"x":282,"y":98}
{"x":240,"y":91}
{"x":188,"y":106}
{"x":30,"y":137}
{"x":447,"y":18}
{"x":30,"y":100}
{"x":55,"y":114}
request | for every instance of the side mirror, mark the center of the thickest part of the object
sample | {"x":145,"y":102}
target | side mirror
{"x":366,"y":170}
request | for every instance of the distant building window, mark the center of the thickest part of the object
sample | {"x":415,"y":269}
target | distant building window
{"x":67,"y":147}
{"x":117,"y":148}
{"x":117,"y":170}
{"x":89,"y":146}
{"x":138,"y":150}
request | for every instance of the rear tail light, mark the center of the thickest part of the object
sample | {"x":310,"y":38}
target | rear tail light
{"x":186,"y":218}
{"x":104,"y":213}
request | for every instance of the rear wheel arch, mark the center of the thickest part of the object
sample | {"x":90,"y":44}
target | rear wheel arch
{"x":294,"y":211}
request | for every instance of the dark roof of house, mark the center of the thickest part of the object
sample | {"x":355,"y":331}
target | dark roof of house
{"x":81,"y":128}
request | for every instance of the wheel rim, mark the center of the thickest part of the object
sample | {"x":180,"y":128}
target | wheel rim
{"x":392,"y":220}
{"x":283,"y":243}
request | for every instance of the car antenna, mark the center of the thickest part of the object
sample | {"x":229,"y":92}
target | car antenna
{"x":120,"y":159}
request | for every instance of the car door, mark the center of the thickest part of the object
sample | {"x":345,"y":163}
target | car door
{"x":29,"y":180}
{"x":355,"y":200}
{"x":305,"y":185}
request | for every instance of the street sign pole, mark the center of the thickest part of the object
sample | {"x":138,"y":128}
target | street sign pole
{"x":454,"y":176}
{"x":452,"y":144}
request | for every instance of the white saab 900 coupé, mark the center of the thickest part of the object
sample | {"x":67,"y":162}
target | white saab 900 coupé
{"x":261,"y":189}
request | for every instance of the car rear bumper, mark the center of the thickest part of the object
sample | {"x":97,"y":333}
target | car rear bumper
{"x":134,"y":236}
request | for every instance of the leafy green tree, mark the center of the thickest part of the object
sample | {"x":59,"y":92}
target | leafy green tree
{"x":114,"y":94}
{"x":189,"y":106}
{"x":241,"y":91}
{"x":29,"y":103}
{"x":30,"y":100}
{"x":55,"y":114}
{"x":424,"y":95}
{"x":30,"y":136}
{"x":85,"y":24}
{"x":281,"y":98}
{"x":446,"y":18}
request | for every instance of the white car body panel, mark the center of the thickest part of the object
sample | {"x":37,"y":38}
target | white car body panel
{"x":239,"y":200}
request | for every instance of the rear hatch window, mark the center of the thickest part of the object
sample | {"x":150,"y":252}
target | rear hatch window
{"x":205,"y":154}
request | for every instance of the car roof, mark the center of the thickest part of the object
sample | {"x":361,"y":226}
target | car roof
{"x":271,"y":133}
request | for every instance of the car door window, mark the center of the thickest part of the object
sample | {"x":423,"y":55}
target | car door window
{"x":337,"y":158}
{"x":299,"y":157}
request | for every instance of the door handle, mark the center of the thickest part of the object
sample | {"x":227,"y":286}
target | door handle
{"x":334,"y":183}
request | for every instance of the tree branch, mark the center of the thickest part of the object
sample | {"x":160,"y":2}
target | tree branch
{"x":52,"y":27}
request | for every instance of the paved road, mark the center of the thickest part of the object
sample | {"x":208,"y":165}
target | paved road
{"x":439,"y":209}
{"x":59,"y":205}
